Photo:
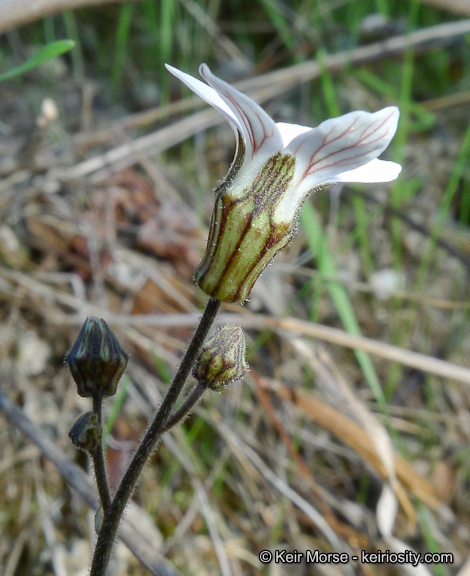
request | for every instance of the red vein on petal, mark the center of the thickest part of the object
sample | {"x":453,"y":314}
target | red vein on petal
{"x":256,"y":140}
{"x":363,"y":140}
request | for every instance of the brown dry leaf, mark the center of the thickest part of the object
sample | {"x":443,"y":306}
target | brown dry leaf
{"x":444,"y":481}
{"x":133,"y":199}
{"x":163,"y":229}
{"x":46,"y":233}
{"x":151,"y":299}
{"x":168,"y":235}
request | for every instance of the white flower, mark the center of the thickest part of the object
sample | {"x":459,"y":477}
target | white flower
{"x":276,"y":166}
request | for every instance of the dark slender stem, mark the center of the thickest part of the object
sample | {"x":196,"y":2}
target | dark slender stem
{"x":185,"y":408}
{"x":99,"y":461}
{"x":114,"y":513}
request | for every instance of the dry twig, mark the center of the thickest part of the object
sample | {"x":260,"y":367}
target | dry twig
{"x":14,"y":13}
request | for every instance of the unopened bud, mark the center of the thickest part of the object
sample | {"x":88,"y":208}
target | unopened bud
{"x":222,"y":358}
{"x":86,"y":432}
{"x":96,"y":360}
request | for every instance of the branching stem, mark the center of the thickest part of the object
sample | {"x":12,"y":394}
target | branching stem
{"x":114,"y":513}
{"x":186,"y":407}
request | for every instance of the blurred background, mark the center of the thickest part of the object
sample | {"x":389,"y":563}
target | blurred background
{"x":351,"y":439}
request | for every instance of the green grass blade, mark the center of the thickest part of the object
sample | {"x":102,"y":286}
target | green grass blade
{"x":166,"y":47}
{"x":78,"y":59}
{"x":316,"y":240}
{"x":328,"y":85}
{"x":433,"y":546}
{"x":280,"y":24}
{"x":406,"y":96}
{"x":116,"y":408}
{"x":445,"y":208}
{"x":46,"y":53}
{"x":120,"y":48}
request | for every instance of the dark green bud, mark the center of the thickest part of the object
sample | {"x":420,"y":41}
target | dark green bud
{"x":222,"y":358}
{"x":86,"y":432}
{"x":96,"y":360}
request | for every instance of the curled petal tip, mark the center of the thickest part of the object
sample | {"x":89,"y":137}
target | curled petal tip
{"x":203,"y":69}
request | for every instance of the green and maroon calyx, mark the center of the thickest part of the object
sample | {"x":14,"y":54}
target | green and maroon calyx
{"x":244,"y":233}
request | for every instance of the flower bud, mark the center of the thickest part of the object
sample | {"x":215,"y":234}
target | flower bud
{"x":86,"y":432}
{"x":222,"y":358}
{"x":96,"y":360}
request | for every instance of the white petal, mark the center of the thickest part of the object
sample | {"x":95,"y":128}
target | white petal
{"x":374,"y":171}
{"x":290,"y":131}
{"x":340,"y":145}
{"x":206,"y":93}
{"x":259,"y":131}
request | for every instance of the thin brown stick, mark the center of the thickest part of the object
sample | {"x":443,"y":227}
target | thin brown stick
{"x":15,"y":13}
{"x":455,"y":6}
{"x":422,"y":362}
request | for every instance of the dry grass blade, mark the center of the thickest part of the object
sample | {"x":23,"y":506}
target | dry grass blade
{"x":208,"y":514}
{"x":376,"y":432}
{"x":455,"y":6}
{"x":58,"y":560}
{"x":352,"y":434}
{"x":283,"y":488}
{"x":343,"y":530}
{"x":421,"y":362}
{"x":126,"y":155}
{"x":427,"y":364}
{"x":15,"y":553}
{"x":465,"y":569}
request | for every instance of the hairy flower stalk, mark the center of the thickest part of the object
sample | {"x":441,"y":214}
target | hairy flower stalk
{"x":276,"y":167}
